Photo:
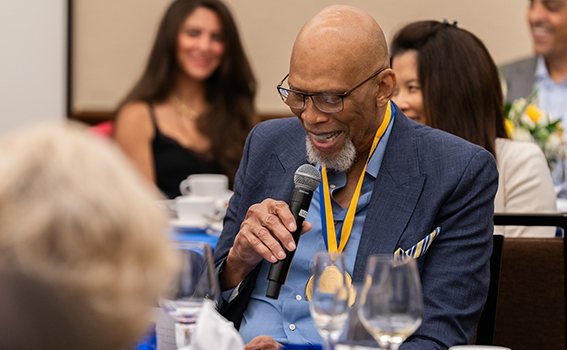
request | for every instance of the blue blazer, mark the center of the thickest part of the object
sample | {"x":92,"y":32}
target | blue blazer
{"x":428,"y":179}
{"x":520,"y":78}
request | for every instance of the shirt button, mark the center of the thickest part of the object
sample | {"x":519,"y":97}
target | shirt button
{"x":298,"y":297}
{"x":332,"y":186}
{"x":292,"y":327}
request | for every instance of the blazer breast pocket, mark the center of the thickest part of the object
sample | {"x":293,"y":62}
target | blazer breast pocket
{"x":420,"y":248}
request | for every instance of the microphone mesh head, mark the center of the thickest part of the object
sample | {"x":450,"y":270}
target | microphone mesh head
{"x":307,"y":177}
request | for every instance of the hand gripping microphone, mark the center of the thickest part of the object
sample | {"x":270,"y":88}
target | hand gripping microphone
{"x":307,"y":178}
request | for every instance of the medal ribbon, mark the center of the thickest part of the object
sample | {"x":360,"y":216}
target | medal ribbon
{"x":327,"y":220}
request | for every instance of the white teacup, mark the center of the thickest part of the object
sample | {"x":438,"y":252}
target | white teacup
{"x":191,"y":210}
{"x":214,"y":185}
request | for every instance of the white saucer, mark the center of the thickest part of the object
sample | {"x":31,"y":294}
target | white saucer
{"x":188,"y":225}
{"x":214,"y":229}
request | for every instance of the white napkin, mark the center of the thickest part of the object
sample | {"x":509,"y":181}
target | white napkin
{"x":214,"y":332}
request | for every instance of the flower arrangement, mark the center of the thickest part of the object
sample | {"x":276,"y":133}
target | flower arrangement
{"x":526,"y":122}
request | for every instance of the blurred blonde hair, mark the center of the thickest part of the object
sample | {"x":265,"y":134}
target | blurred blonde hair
{"x":75,"y":215}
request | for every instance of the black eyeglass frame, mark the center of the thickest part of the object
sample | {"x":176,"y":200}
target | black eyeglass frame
{"x":342,"y":96}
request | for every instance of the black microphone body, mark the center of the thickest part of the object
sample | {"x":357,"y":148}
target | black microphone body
{"x":298,"y":205}
{"x":307,"y":178}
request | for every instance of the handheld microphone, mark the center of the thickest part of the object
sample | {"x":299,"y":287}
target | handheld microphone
{"x":307,"y":178}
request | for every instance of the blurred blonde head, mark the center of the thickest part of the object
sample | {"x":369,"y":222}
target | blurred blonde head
{"x":76,"y":216}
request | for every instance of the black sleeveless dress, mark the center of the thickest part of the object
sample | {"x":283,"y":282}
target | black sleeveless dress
{"x":173,"y":162}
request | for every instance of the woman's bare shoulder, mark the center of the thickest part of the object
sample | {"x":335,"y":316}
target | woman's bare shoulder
{"x":134,"y":118}
{"x":133,"y":110}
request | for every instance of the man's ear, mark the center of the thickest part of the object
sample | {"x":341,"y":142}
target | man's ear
{"x":386,"y":87}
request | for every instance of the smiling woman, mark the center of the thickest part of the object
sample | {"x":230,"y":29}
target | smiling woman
{"x":192,"y":108}
{"x":200,"y":44}
{"x":408,"y":93}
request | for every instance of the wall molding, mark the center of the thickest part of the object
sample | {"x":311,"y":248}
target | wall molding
{"x":95,"y":117}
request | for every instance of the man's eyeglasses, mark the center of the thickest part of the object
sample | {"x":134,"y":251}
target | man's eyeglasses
{"x":328,"y":103}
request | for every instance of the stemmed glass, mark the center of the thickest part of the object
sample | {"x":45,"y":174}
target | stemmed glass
{"x":329,"y":305}
{"x":391,"y":305}
{"x":195,"y":282}
{"x":559,"y":175}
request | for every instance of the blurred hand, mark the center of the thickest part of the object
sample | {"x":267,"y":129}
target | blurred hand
{"x":262,"y":342}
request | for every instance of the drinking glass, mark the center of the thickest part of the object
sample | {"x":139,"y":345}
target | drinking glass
{"x":558,"y":169}
{"x":195,"y":282}
{"x":391,"y":305}
{"x":329,"y":304}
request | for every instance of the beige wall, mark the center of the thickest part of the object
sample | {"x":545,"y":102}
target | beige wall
{"x":32,"y":62}
{"x":113,"y":37}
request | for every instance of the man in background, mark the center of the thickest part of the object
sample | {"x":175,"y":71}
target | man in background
{"x":547,"y":70}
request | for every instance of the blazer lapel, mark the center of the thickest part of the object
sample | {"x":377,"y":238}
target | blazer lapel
{"x":283,"y":164}
{"x":394,"y":197}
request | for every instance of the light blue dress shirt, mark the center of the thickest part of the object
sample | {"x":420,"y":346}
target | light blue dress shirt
{"x":552,"y":96}
{"x":287,"y":319}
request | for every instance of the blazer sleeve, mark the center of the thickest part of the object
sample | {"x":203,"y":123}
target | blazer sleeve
{"x":455,"y":270}
{"x":231,"y":225}
{"x":262,"y":173}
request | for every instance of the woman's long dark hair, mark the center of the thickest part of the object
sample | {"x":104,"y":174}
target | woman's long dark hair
{"x":229,"y":91}
{"x":459,"y":81}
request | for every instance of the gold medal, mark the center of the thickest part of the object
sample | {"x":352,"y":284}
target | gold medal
{"x":330,"y":280}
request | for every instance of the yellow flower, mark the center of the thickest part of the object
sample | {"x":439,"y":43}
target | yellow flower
{"x":560,"y":130}
{"x":533,"y":112}
{"x":509,"y":126}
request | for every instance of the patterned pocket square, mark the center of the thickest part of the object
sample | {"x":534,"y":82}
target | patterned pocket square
{"x":419,"y":249}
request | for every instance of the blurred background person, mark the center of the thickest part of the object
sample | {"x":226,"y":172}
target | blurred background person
{"x":83,"y":247}
{"x":547,"y":69}
{"x":193,"y":107}
{"x":447,"y":79}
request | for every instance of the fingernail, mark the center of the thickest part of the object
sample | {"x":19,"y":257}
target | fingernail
{"x":273,"y":259}
{"x":292,"y":227}
{"x":281,"y":255}
{"x":291,"y":246}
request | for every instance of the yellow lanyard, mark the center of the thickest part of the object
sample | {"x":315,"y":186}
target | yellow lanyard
{"x":349,"y":219}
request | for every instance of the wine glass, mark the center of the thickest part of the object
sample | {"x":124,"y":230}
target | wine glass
{"x":195,"y":282}
{"x":391,"y":305}
{"x":329,"y":304}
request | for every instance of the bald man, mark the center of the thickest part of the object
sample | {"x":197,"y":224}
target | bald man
{"x":414,"y":180}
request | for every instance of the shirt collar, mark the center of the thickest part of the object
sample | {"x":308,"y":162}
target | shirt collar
{"x":541,"y":72}
{"x":375,"y":159}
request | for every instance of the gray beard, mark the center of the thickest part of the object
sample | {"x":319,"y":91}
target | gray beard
{"x":343,"y":162}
